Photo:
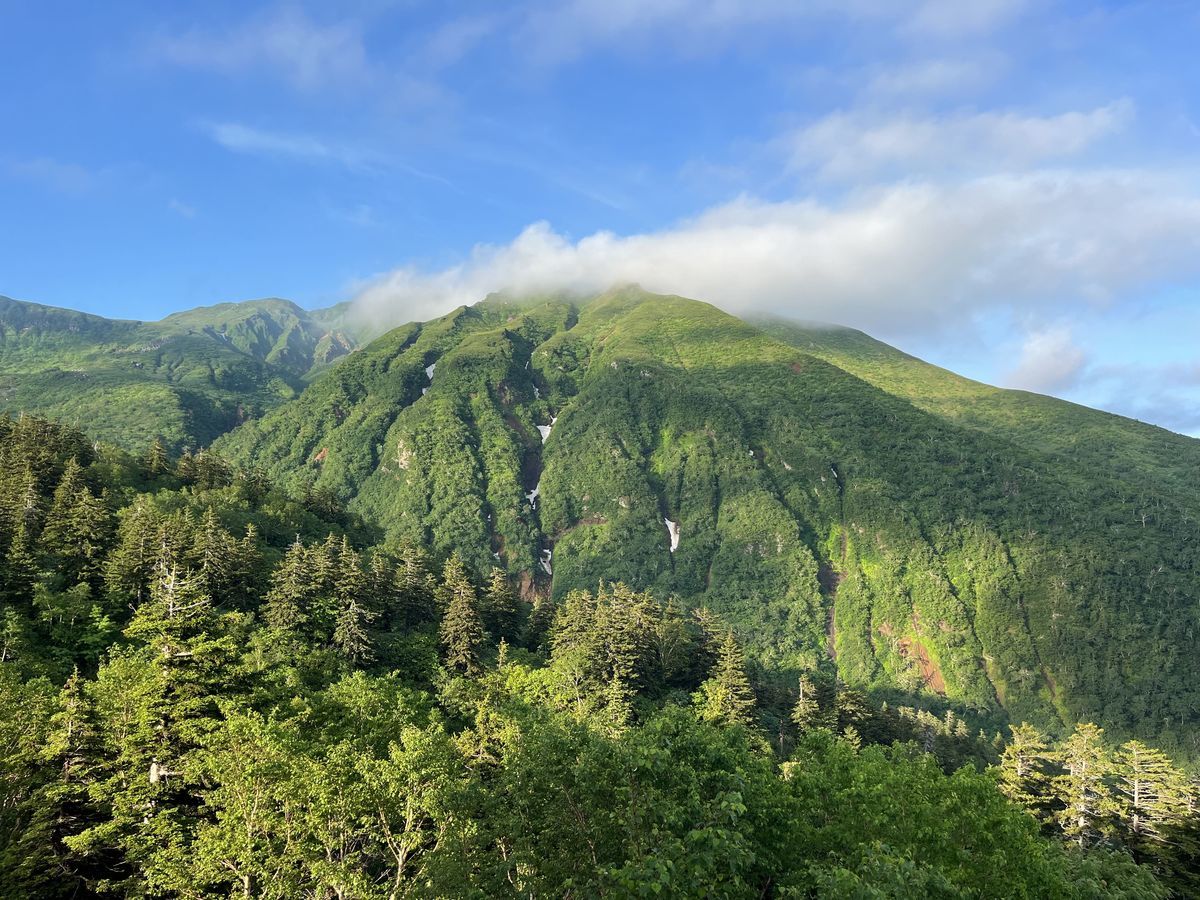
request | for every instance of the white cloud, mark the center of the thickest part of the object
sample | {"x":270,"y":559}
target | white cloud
{"x":285,"y":42}
{"x":904,"y":258}
{"x":959,"y":18}
{"x":859,"y":144}
{"x":181,"y":209}
{"x":1050,"y":362}
{"x":304,"y":147}
{"x":935,"y":76}
{"x":558,"y":31}
{"x":307,"y":148}
{"x":65,"y":177}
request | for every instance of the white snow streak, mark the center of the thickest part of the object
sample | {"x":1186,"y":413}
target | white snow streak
{"x":673,"y":531}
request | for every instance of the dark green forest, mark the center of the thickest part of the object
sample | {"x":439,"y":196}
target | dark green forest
{"x":212,"y":688}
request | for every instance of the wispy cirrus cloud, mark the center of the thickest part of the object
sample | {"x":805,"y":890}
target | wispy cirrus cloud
{"x":58,"y":175}
{"x":302,"y":147}
{"x":286,"y":43}
{"x":562,"y":31}
{"x":312,"y":150}
{"x":865,"y":144}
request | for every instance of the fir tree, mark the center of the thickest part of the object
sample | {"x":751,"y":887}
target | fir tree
{"x":806,"y":713}
{"x":726,"y":697}
{"x":61,"y":808}
{"x":212,"y":554}
{"x":20,"y":567}
{"x":540,"y":622}
{"x":287,"y":602}
{"x":351,"y":635}
{"x":155,"y":461}
{"x":850,"y":709}
{"x":185,"y":469}
{"x":1086,"y":803}
{"x":130,"y":565}
{"x":501,"y":612}
{"x":414,"y":590}
{"x":1023,"y":774}
{"x":1153,"y":797}
{"x":462,"y":633}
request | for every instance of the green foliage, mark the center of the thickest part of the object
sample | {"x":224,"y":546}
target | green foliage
{"x":180,"y":382}
{"x":231,"y":702}
{"x":848,"y":509}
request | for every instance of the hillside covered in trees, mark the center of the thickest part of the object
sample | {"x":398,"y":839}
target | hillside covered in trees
{"x":844,"y":506}
{"x":211,"y":688}
{"x":536,"y":548}
{"x":185,"y":379}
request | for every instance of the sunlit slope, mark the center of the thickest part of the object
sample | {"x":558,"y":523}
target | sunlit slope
{"x":1140,"y":453}
{"x":186,"y":379}
{"x":823,"y":510}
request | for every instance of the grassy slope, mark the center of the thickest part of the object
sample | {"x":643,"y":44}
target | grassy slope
{"x":188,"y":378}
{"x":929,"y":547}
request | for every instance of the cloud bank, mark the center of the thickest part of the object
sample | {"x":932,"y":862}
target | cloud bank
{"x":893,"y":259}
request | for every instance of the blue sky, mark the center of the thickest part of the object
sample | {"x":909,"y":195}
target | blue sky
{"x":1008,"y":188}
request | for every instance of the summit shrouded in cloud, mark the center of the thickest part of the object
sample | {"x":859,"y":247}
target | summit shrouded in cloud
{"x":966,"y":179}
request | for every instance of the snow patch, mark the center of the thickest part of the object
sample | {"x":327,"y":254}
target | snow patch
{"x":424,"y":391}
{"x":544,"y":430}
{"x":429,"y":370}
{"x":673,"y":531}
{"x":547,"y":555}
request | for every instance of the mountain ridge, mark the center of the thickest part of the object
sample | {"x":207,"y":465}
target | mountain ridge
{"x":846,"y":505}
{"x":835,"y":522}
{"x":190,"y":376}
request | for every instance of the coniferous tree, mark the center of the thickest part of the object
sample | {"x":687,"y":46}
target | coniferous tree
{"x":850,"y":709}
{"x":1023,"y":774}
{"x":64,"y":498}
{"x":156,"y":461}
{"x":130,"y":565}
{"x":1086,"y":804}
{"x":540,"y":622}
{"x":726,"y":697}
{"x":351,"y":630}
{"x":462,"y":633}
{"x":61,"y":808}
{"x":246,"y":576}
{"x":20,"y":567}
{"x":501,"y":613}
{"x":1153,"y":796}
{"x":806,"y":713}
{"x":212,"y":554}
{"x":185,"y":468}
{"x":414,"y":590}
{"x":287,"y":606}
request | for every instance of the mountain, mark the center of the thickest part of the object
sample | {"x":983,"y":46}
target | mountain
{"x":186,"y":379}
{"x":845,"y":505}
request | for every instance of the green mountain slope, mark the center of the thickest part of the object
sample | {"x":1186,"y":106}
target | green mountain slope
{"x":187,"y":378}
{"x":846,"y":506}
